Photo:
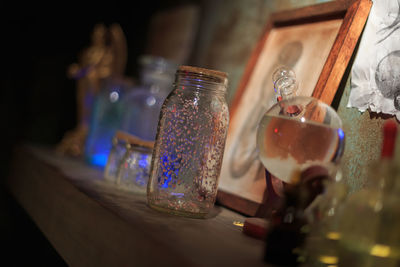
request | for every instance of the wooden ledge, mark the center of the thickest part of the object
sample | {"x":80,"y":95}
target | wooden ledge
{"x":90,"y":222}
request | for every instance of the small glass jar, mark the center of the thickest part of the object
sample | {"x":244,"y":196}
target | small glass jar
{"x":190,"y":142}
{"x":123,"y":144}
{"x":134,"y":170}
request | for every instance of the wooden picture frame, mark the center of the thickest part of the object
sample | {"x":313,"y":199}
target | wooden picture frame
{"x":317,"y":42}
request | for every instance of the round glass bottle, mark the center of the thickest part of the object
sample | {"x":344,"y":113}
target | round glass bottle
{"x":144,"y":103}
{"x":189,"y":147}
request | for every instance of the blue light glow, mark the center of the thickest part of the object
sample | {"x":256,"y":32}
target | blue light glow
{"x":143,"y":161}
{"x":340,"y":133}
{"x":99,"y":159}
{"x":170,"y":167}
{"x":166,"y":172}
{"x":340,"y":146}
{"x":98,"y":148}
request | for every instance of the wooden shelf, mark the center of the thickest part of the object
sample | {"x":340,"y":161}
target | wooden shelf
{"x":91,"y":222}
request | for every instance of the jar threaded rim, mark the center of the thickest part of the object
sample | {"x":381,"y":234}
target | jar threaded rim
{"x":203,"y":71}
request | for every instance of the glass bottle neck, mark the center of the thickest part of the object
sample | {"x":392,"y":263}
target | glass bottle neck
{"x":281,"y":96}
{"x":286,"y":88}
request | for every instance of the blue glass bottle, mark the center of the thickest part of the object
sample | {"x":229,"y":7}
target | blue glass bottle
{"x":106,"y":119}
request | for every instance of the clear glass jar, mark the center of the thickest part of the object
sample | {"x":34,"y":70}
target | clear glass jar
{"x":144,"y":103}
{"x":134,"y":170}
{"x":125,"y":148}
{"x":190,"y":143}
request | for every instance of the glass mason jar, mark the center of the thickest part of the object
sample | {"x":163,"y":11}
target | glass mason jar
{"x":189,"y":147}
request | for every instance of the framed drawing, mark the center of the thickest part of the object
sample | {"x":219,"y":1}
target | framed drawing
{"x":317,"y":42}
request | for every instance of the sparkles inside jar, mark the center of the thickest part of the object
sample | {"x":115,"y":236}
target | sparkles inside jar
{"x":190,"y":143}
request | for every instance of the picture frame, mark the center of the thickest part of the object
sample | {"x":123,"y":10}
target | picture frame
{"x":317,"y":42}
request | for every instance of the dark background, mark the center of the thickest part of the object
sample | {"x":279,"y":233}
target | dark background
{"x":38,"y":100}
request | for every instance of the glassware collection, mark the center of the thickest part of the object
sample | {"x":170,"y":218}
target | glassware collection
{"x":166,"y":139}
{"x":131,"y":108}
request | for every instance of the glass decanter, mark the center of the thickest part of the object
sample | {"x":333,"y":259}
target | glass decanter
{"x":298,"y":132}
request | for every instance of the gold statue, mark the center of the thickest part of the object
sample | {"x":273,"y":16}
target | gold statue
{"x":104,"y":58}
